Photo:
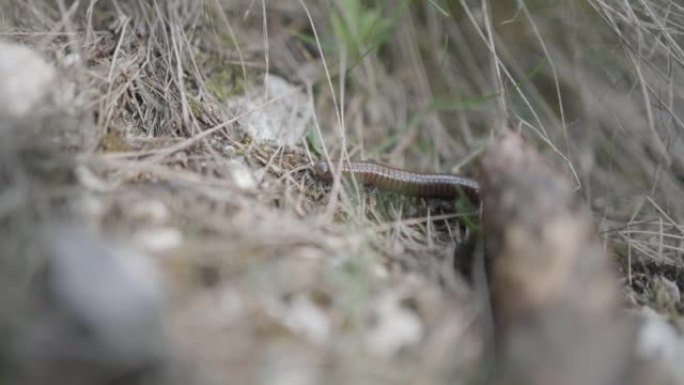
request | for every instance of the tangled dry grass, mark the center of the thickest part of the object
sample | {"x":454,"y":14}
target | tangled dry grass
{"x":154,"y":140}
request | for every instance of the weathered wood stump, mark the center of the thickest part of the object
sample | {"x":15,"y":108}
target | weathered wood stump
{"x":555,"y":298}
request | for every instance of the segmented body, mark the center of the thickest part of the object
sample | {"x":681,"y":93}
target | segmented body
{"x":426,"y":185}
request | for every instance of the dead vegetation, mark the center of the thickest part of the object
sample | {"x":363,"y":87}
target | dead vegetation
{"x":153,"y":139}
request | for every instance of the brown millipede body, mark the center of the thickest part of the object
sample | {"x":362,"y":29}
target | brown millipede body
{"x":425,"y":185}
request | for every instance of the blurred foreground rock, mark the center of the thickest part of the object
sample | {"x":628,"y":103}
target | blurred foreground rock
{"x":95,"y":319}
{"x":25,"y":79}
{"x":74,"y":310}
{"x":555,"y":298}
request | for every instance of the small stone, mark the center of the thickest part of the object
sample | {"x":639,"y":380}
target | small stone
{"x":277,"y":113}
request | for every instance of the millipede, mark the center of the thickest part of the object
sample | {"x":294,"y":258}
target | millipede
{"x":425,"y":185}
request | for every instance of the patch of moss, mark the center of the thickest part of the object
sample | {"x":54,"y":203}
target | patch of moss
{"x":113,"y":141}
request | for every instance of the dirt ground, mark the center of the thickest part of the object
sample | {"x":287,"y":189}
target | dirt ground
{"x":160,"y":222}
